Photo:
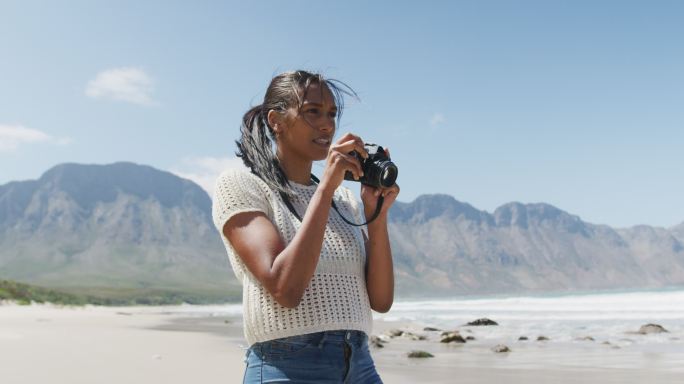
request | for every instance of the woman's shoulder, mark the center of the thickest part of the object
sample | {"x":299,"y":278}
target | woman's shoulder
{"x":239,"y":191}
{"x":238,"y":177}
{"x":240,"y":181}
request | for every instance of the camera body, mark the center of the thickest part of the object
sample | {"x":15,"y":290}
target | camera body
{"x":378,"y":169}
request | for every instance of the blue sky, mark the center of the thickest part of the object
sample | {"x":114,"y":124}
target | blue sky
{"x":579,"y":104}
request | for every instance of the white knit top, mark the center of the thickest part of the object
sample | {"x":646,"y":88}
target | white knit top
{"x":336,"y":296}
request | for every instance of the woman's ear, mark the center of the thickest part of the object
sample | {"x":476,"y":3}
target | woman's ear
{"x":275,"y":120}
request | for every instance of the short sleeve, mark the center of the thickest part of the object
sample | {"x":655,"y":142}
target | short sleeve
{"x":236,"y":192}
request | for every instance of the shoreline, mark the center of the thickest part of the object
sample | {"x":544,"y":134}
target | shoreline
{"x":44,"y":343}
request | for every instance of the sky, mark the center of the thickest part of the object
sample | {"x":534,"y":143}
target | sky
{"x":578,"y":104}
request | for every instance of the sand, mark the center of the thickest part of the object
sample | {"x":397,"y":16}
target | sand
{"x":43,"y":344}
{"x":49,"y":344}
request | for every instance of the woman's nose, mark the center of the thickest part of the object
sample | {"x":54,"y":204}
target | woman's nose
{"x":327,"y":125}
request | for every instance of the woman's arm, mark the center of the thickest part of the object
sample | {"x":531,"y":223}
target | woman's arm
{"x":379,"y":267}
{"x":286,"y":269}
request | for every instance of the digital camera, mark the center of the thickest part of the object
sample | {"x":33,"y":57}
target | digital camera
{"x":378,"y":169}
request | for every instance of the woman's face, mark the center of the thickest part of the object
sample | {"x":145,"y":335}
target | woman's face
{"x":308,"y":132}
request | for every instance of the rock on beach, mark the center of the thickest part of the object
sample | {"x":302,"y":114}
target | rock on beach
{"x":652,"y":328}
{"x":377,"y":342}
{"x":413,"y":336}
{"x":394,"y":332}
{"x":419,"y":354}
{"x":500,"y":348}
{"x":452,"y":337}
{"x":482,"y":322}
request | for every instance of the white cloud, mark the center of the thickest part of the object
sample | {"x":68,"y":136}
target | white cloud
{"x":12,"y":136}
{"x":437,"y":119}
{"x":123,"y":84}
{"x":205,"y":170}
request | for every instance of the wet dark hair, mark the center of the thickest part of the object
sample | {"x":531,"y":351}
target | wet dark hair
{"x":287,"y":90}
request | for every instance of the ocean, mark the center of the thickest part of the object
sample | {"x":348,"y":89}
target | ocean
{"x":570,"y":322}
{"x":588,"y":330}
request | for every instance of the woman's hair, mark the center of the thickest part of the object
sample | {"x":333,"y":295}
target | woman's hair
{"x":255,"y":145}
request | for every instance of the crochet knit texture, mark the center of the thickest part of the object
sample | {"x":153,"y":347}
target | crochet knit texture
{"x":336,"y":296}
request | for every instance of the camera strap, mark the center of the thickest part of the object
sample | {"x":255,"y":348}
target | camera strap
{"x":289,"y":205}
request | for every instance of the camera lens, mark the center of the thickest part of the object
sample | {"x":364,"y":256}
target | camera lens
{"x":389,"y":174}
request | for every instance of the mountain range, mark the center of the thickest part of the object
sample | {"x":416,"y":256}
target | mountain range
{"x":443,"y":245}
{"x":122,"y":229}
{"x":117,"y":230}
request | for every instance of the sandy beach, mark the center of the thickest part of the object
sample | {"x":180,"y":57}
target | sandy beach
{"x":48,"y":344}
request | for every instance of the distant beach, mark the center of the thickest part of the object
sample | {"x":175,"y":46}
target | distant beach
{"x":588,"y":338}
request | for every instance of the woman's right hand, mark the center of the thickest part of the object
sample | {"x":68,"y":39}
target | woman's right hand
{"x":339,"y":161}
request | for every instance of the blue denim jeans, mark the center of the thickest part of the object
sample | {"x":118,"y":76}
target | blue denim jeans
{"x":322,"y":357}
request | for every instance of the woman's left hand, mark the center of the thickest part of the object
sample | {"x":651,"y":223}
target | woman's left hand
{"x":369,"y":196}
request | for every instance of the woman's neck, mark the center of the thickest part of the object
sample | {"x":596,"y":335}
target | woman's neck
{"x":296,"y":170}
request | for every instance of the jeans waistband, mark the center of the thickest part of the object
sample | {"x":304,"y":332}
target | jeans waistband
{"x":353,"y":337}
{"x":350,"y":336}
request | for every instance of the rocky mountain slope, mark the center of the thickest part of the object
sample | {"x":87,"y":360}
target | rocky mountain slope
{"x":129,"y":228}
{"x":442,"y":245}
{"x":115,"y":227}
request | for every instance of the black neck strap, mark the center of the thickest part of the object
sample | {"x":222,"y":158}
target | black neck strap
{"x":289,"y":205}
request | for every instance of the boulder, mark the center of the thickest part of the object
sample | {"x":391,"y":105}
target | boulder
{"x":431,"y":329}
{"x":651,"y":328}
{"x":376,"y":342}
{"x":500,"y":348}
{"x":585,"y":338}
{"x":413,"y":336}
{"x":542,"y":338}
{"x":452,"y":337}
{"x":420,"y":354}
{"x":394,"y":332}
{"x":482,"y":322}
{"x":384,"y":338}
{"x":522,"y":338}
{"x":470,"y":337}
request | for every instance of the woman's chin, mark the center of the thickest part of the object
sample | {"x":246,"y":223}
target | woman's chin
{"x":321,"y":153}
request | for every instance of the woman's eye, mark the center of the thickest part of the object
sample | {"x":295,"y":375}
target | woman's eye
{"x":312,"y":111}
{"x":332,"y":115}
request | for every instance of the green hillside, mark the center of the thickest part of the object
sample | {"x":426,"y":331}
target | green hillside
{"x":25,"y":294}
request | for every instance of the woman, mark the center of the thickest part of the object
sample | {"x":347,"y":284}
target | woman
{"x":309,"y":279}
